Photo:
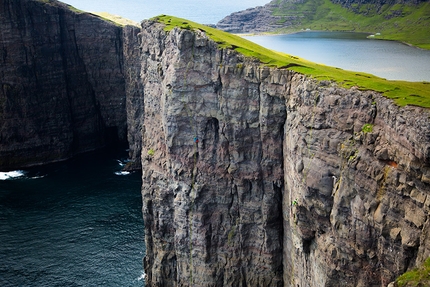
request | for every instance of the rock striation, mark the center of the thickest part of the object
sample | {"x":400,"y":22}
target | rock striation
{"x":252,"y":176}
{"x":356,"y":180}
{"x":62,"y":85}
{"x":256,"y":20}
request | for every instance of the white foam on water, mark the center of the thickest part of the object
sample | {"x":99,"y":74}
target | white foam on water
{"x":11,"y":174}
{"x":122,"y":172}
{"x":37,"y":177}
{"x":142,"y":276}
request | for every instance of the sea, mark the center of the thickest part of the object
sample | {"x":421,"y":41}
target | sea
{"x":201,"y":11}
{"x":75,"y":223}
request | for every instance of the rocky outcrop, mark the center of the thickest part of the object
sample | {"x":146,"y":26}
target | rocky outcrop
{"x":255,"y":176}
{"x":134,"y":95}
{"x":62,"y":83}
{"x":257,"y":20}
{"x":267,"y":18}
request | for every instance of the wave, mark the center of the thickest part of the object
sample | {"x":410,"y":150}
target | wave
{"x":142,"y":276}
{"x":37,"y":176}
{"x":11,"y":174}
{"x":122,"y":172}
{"x":121,"y":164}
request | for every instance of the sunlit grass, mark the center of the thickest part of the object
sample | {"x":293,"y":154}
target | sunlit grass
{"x":116,"y":19}
{"x":402,"y":92}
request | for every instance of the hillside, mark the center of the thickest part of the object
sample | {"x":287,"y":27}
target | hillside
{"x":407,"y":21}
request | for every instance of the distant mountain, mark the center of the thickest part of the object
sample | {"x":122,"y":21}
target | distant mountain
{"x":406,"y":21}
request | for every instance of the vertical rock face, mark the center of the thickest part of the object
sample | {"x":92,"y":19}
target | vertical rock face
{"x":212,"y":164}
{"x":62,"y":84}
{"x":356,"y":181}
{"x":134,"y":94}
{"x":351,"y":170}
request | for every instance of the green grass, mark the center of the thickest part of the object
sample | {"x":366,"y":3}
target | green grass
{"x":402,"y":92}
{"x":416,"y":277}
{"x":367,"y":128}
{"x":407,"y":23}
{"x":151,"y":152}
{"x":116,"y":19}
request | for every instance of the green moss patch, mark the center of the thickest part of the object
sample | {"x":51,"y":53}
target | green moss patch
{"x":416,"y":277}
{"x":402,"y":92}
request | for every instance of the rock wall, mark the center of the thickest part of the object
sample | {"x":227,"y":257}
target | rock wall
{"x":292,"y":182}
{"x":212,"y":171}
{"x":62,"y":83}
{"x":357,"y":184}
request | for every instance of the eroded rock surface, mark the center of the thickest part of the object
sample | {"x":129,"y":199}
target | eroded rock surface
{"x":355,"y":209}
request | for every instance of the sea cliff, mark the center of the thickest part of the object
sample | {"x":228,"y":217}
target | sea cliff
{"x":336,"y":180}
{"x":252,"y":175}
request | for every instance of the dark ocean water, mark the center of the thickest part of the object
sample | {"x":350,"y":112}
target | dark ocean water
{"x":77,"y":223}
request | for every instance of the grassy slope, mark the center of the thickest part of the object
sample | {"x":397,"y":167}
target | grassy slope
{"x":402,"y":92}
{"x":408,"y":23}
{"x":116,"y":19}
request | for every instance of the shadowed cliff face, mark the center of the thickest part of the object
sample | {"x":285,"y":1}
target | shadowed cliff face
{"x":351,"y":170}
{"x":62,"y":84}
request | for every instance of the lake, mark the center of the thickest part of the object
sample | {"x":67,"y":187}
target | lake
{"x":353,"y":51}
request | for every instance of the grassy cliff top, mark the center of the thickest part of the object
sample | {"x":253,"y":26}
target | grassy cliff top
{"x":116,"y":19}
{"x":402,"y":92}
